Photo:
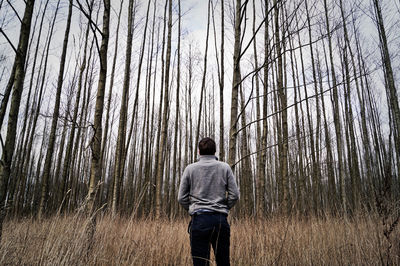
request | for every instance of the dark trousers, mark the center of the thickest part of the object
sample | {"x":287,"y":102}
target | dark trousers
{"x":209,"y":229}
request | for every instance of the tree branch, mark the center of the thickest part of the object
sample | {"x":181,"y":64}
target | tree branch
{"x":289,"y":106}
{"x":88,"y":16}
{"x":15,"y":11}
{"x":8,"y":40}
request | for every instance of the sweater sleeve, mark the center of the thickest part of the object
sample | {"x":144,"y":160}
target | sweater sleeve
{"x":232,"y":189}
{"x":184,"y":190}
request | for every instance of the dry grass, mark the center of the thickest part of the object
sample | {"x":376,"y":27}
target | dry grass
{"x":61,"y":241}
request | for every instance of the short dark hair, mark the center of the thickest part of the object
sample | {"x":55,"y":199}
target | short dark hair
{"x":207,"y":146}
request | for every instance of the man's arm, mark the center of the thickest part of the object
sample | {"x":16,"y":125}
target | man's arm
{"x":232,"y":189}
{"x":184,"y":190}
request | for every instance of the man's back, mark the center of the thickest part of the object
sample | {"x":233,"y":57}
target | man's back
{"x":208,"y":185}
{"x":208,"y":190}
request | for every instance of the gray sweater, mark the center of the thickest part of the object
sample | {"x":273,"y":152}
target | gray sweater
{"x":208,"y":184}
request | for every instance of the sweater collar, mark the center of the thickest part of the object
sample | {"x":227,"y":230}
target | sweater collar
{"x":207,"y":157}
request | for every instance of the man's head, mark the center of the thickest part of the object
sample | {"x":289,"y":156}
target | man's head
{"x":207,"y":146}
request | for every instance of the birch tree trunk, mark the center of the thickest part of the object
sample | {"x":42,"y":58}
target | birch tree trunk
{"x":95,"y":169}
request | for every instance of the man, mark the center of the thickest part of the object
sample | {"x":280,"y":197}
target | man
{"x":208,"y":191}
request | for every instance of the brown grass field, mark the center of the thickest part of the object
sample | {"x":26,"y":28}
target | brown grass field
{"x":328,"y":241}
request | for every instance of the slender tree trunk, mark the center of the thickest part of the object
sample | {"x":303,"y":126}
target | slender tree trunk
{"x":119,"y":153}
{"x":261,"y":175}
{"x":247,"y":176}
{"x":7,"y":93}
{"x":336,"y":118}
{"x":158,"y":137}
{"x":363,"y":112}
{"x":56,"y":111}
{"x":24,"y":156}
{"x":95,"y":172}
{"x":221,"y":87}
{"x":300,"y":173}
{"x":58,"y":182}
{"x":203,"y":81}
{"x":149,"y":124}
{"x":177,"y":112}
{"x":355,"y":172}
{"x":283,"y":152}
{"x":235,"y":86}
{"x":67,"y":162}
{"x":111,"y":85}
{"x":313,"y":137}
{"x":391,"y":91}
{"x":258,"y":112}
{"x":331,"y":197}
{"x":81,"y":132}
{"x":164,"y":125}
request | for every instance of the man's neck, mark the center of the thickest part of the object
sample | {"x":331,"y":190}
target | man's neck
{"x":207,"y":157}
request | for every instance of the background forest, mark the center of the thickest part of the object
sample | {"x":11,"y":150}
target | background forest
{"x":103,"y":104}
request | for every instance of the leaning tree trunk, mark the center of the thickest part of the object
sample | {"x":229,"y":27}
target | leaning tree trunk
{"x":9,"y":144}
{"x":391,"y":90}
{"x":24,"y":156}
{"x":68,"y":153}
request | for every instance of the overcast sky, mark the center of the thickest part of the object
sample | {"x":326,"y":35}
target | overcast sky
{"x":194,"y":31}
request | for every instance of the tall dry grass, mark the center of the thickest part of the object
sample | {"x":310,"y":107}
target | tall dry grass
{"x":329,"y":241}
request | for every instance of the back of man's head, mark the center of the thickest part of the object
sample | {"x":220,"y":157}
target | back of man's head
{"x":207,"y":146}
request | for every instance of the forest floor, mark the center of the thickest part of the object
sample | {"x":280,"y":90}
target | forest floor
{"x":312,"y":241}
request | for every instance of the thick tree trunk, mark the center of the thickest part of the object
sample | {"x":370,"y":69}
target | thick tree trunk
{"x":9,"y":144}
